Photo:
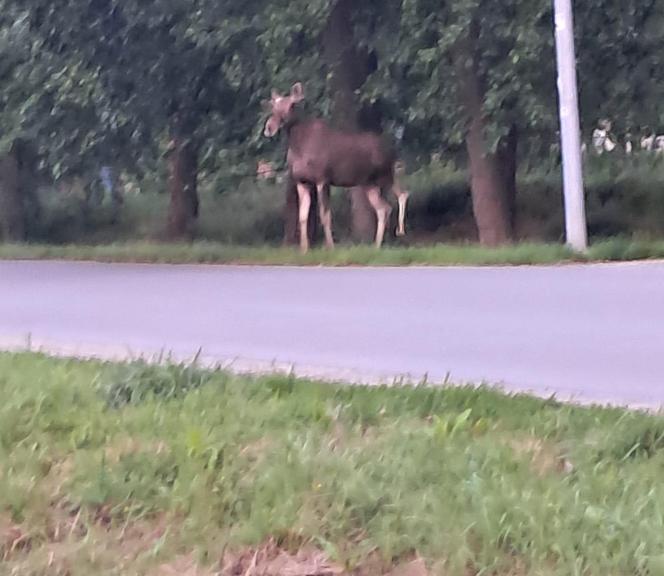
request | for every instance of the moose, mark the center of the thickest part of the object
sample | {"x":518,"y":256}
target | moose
{"x":320,"y":156}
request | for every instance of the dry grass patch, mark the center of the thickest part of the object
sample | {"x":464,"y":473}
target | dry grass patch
{"x":544,"y":457}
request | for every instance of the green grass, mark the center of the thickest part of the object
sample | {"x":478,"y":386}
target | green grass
{"x":209,"y":252}
{"x":436,"y":255}
{"x":132,"y":469}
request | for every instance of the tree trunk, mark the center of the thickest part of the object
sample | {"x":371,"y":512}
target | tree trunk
{"x":12,"y":209}
{"x":183,"y":187}
{"x":291,"y":213}
{"x":349,"y":70}
{"x":490,"y":201}
{"x":507,"y":161}
{"x":28,"y":182}
{"x":291,"y":216}
{"x":491,"y":205}
{"x":362,"y":217}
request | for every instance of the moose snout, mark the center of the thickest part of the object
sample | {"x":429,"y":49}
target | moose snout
{"x":271,"y":128}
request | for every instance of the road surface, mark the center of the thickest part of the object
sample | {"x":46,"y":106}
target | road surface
{"x":591,"y":332}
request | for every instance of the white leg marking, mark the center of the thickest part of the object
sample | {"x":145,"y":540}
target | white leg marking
{"x":403,"y":200}
{"x":304,"y":197}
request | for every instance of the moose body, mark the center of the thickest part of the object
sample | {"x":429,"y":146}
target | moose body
{"x":320,"y":156}
{"x":319,"y":153}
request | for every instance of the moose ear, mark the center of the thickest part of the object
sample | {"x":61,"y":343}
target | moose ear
{"x":266,"y":105}
{"x":297,"y":92}
{"x":275,"y":94}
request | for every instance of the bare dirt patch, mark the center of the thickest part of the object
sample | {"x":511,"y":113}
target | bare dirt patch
{"x":181,"y":566}
{"x":12,"y":538}
{"x":271,"y":560}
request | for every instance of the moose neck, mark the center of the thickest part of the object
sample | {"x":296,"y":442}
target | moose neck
{"x":294,"y":119}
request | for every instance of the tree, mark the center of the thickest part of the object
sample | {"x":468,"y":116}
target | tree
{"x":348,"y":68}
{"x":620,"y":50}
{"x":134,"y":82}
{"x":483,"y":72}
{"x":46,"y":104}
{"x":161,"y":80}
{"x":12,"y":212}
{"x":12,"y":204}
{"x":478,"y":72}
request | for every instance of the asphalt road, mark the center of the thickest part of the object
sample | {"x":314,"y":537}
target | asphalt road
{"x":591,"y":332}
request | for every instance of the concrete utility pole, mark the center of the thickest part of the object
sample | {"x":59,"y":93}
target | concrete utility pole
{"x":575,"y":211}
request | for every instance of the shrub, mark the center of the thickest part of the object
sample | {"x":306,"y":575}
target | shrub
{"x":624,"y":197}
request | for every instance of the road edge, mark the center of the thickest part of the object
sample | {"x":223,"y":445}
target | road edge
{"x":242,"y":366}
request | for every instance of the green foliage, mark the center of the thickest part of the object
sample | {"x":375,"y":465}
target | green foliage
{"x":138,"y":383}
{"x":109,"y":82}
{"x":422,"y":73}
{"x":623,"y":198}
{"x":440,"y":200}
{"x":250,"y":214}
{"x":126,"y":72}
{"x":620,"y":48}
{"x":632,"y":438}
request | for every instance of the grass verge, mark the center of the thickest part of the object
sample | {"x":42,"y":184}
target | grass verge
{"x":213,"y":253}
{"x":436,"y":255}
{"x":135,"y":469}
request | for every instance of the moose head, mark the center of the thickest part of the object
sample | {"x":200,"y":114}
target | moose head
{"x":281,"y":109}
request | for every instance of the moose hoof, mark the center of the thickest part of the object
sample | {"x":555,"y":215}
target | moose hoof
{"x":400,"y":233}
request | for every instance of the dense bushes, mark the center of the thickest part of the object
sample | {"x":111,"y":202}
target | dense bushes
{"x":624,"y":197}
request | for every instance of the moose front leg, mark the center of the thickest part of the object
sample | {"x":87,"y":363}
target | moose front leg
{"x":304,"y":197}
{"x":325,"y":213}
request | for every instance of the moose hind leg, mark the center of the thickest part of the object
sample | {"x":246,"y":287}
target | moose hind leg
{"x":402,"y":198}
{"x":383,"y":211}
{"x":304,"y":197}
{"x":325,"y":213}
